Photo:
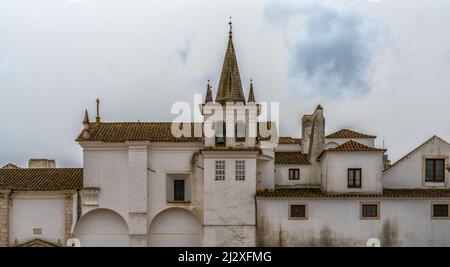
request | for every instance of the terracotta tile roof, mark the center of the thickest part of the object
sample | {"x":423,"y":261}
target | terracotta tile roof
{"x":387,"y":193}
{"x":354,"y":146}
{"x":351,"y":146}
{"x":38,"y":243}
{"x":136,"y":131}
{"x":288,"y":140}
{"x":42,"y":179}
{"x":284,"y":158}
{"x":117,"y":132}
{"x":10,"y":166}
{"x":347,"y":133}
{"x":231,"y":149}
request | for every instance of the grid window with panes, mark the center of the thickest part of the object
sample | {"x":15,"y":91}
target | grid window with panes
{"x":370,"y":210}
{"x":240,"y":170}
{"x":220,"y":170}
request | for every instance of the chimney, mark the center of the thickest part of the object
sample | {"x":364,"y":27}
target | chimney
{"x":97,"y":119}
{"x":41,"y":163}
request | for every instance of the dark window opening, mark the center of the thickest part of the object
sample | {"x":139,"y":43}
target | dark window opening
{"x":294,"y":174}
{"x":369,"y":210}
{"x":440,"y":210}
{"x":298,"y":211}
{"x":220,"y":130}
{"x":178,"y":190}
{"x":434,"y":170}
{"x":354,"y":178}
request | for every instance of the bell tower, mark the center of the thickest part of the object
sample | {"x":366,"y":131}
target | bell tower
{"x":230,"y":158}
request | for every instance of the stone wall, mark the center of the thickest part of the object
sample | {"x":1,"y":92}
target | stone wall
{"x":4,"y":217}
{"x":68,"y":216}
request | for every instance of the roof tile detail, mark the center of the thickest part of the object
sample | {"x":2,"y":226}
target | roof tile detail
{"x":387,"y":193}
{"x":347,"y":133}
{"x":45,"y":179}
{"x":285,"y":158}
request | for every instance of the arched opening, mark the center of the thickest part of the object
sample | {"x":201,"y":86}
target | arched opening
{"x":331,"y":145}
{"x":102,"y":228}
{"x":175,"y":227}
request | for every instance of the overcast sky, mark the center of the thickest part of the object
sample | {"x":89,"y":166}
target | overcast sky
{"x":381,"y":67}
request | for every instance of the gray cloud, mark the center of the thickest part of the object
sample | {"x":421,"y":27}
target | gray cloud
{"x":330,"y":49}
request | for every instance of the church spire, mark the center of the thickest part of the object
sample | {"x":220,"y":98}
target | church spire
{"x":251,"y":94}
{"x":230,"y":86}
{"x":208,"y":97}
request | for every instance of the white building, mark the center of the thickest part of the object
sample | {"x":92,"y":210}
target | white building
{"x":143,"y":186}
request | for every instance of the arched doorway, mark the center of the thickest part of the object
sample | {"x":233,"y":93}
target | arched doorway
{"x":175,"y":227}
{"x":102,"y":228}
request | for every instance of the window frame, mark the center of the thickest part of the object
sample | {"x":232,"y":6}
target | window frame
{"x":240,"y":170}
{"x":361,"y":213}
{"x":294,"y":171}
{"x":434,"y":178}
{"x":354,"y":179}
{"x":440,"y":217}
{"x":175,"y":181}
{"x":219,"y":172}
{"x":297,"y":204}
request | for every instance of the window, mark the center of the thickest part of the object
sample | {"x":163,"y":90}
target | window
{"x":178,"y":193}
{"x":354,"y":178}
{"x":294,"y":174}
{"x":440,"y":211}
{"x":37,"y":231}
{"x":370,"y":211}
{"x":220,"y":131}
{"x":434,"y":170}
{"x":240,"y":170}
{"x":239,"y":131}
{"x":298,"y":212}
{"x":220,"y":170}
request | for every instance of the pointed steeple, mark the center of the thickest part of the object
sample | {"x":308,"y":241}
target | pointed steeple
{"x":251,"y":94}
{"x":86,"y":122}
{"x":208,"y":97}
{"x":230,"y":86}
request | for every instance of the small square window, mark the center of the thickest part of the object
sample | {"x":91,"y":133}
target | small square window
{"x":294,"y":174}
{"x":220,"y":170}
{"x":298,"y":211}
{"x":370,"y":211}
{"x":440,"y":211}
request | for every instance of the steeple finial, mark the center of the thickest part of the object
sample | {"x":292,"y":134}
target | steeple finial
{"x":231,"y":28}
{"x":86,"y":119}
{"x":208,"y":97}
{"x":97,"y":119}
{"x":251,"y":94}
